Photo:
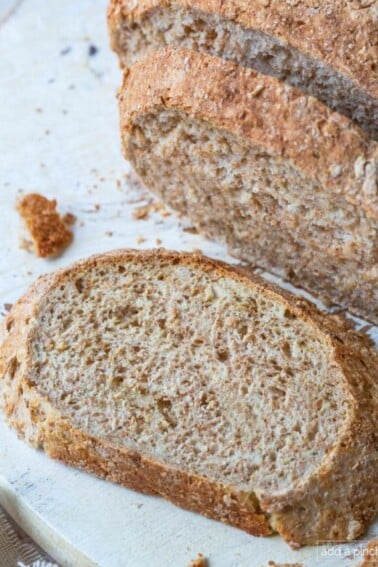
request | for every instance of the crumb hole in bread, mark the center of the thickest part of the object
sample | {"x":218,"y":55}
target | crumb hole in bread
{"x":286,"y":349}
{"x":13,"y":366}
{"x":222,"y":355}
{"x":288,"y":314}
{"x":79,"y":284}
{"x":243,"y":330}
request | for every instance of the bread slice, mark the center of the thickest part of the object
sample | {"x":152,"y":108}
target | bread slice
{"x":328,"y":49}
{"x":280,"y":179}
{"x":181,"y":376}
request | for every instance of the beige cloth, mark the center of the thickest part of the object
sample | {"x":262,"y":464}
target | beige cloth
{"x":17,"y":549}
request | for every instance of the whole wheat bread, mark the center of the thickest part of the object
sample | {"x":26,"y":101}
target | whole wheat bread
{"x":283,"y":181}
{"x":181,"y":376}
{"x":326,"y":48}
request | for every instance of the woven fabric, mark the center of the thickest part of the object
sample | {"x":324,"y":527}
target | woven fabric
{"x":17,"y":549}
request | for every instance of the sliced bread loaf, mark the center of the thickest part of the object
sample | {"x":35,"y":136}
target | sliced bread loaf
{"x":328,"y":49}
{"x":180,"y":376}
{"x":286,"y":183}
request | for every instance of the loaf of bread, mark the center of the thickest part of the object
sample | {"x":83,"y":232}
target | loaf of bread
{"x":283,"y":181}
{"x":183,"y":377}
{"x":327,"y":48}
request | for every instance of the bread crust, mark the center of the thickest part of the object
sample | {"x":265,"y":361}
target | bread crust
{"x":341,"y":33}
{"x":336,"y":502}
{"x":280,"y":118}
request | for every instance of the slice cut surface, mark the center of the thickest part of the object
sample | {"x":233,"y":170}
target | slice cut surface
{"x":190,"y":365}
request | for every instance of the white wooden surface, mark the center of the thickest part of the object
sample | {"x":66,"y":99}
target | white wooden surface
{"x":59,"y":136}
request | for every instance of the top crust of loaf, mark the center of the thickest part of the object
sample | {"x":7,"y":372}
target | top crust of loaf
{"x":346,"y":478}
{"x":341,"y":33}
{"x":321,"y":143}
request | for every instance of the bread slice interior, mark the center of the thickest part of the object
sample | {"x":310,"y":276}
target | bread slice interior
{"x":261,"y":205}
{"x":191,"y":366}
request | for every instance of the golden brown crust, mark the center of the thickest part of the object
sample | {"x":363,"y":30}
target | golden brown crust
{"x":280,"y":118}
{"x":342,"y":33}
{"x":49,"y":233}
{"x":138,"y":472}
{"x":348,"y":477}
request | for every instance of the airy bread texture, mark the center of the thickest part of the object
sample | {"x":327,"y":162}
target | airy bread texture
{"x":328,"y":49}
{"x":280,"y":179}
{"x":180,"y":376}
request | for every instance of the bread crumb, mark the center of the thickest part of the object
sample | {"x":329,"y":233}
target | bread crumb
{"x":140,"y":239}
{"x":201,"y":561}
{"x":159,"y":208}
{"x":142,"y":213}
{"x":48,"y":231}
{"x":69,"y":218}
{"x":273,"y":564}
{"x":190,"y":229}
{"x":108,"y":233}
{"x":158,"y":241}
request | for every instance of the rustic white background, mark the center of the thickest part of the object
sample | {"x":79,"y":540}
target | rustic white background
{"x":59,"y":137}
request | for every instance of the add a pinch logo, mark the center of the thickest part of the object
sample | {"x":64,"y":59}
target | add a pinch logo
{"x":363,"y":552}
